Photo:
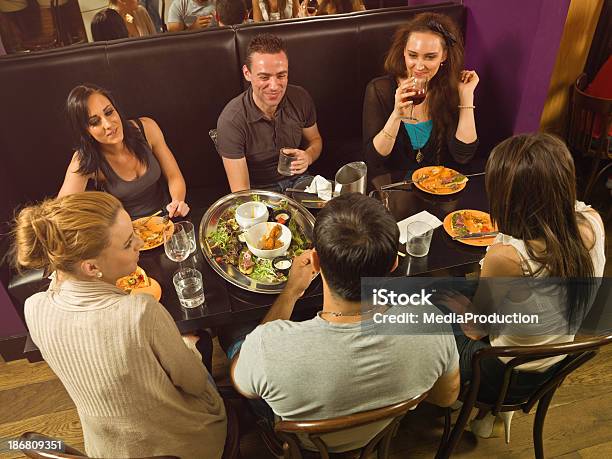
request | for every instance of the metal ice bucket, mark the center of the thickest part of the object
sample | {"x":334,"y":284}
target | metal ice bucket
{"x":351,"y":177}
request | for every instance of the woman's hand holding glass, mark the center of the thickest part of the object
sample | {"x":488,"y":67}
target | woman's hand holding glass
{"x":403,"y":105}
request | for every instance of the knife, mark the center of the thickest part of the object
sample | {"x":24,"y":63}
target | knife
{"x":477,"y":235}
{"x":295,"y":190}
{"x":409,"y":182}
{"x":405,"y":182}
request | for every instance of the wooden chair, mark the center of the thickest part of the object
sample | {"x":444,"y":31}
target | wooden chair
{"x":69,"y":452}
{"x":585,"y":112}
{"x":578,"y":353}
{"x":286,"y":444}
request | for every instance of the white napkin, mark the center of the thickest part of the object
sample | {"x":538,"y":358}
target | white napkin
{"x":423,"y":216}
{"x":321,"y":186}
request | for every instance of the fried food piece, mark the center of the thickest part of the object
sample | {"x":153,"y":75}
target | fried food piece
{"x":270,"y":240}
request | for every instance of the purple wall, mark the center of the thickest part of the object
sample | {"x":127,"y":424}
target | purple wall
{"x":10,"y":322}
{"x":513,"y":47}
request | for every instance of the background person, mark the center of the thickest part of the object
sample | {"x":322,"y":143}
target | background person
{"x":124,"y":158}
{"x":443,"y":128}
{"x":332,"y":7}
{"x":138,"y":389}
{"x":191,"y":15}
{"x":136,"y":18}
{"x":231,"y":12}
{"x":108,"y":25}
{"x":274,"y":10}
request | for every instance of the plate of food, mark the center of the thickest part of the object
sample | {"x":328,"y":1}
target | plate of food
{"x":138,"y":282}
{"x":257,"y":258}
{"x":151,"y":230}
{"x":467,"y":222}
{"x":439,"y":180}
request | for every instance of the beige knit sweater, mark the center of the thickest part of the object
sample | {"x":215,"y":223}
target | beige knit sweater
{"x":138,"y":389}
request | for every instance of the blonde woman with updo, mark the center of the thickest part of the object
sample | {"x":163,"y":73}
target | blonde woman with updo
{"x":138,"y":389}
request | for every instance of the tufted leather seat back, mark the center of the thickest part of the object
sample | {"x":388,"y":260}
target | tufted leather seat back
{"x":183,"y":81}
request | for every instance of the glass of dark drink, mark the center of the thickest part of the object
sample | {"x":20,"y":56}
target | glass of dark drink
{"x":311,"y":7}
{"x":418,"y":93}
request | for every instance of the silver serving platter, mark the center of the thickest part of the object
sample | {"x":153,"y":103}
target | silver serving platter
{"x":209,"y":224}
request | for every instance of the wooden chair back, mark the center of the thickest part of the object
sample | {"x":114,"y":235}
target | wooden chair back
{"x":288,"y":430}
{"x":585,"y":112}
{"x":577,"y":354}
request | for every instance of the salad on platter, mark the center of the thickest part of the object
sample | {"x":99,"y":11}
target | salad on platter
{"x":227,"y":243}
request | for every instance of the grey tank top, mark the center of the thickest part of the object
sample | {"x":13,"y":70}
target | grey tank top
{"x":142,"y":196}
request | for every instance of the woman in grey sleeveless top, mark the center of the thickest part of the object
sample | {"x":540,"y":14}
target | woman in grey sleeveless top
{"x":124,"y":158}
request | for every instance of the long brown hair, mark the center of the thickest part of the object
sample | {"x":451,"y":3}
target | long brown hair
{"x":281,"y":4}
{"x":442,"y":89}
{"x":340,"y":6}
{"x":59,"y":233}
{"x":531,"y":184}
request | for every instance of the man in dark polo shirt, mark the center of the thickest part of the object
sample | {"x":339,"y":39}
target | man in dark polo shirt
{"x":270,"y":115}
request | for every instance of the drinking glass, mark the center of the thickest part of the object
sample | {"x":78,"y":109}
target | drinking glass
{"x":419,"y":88}
{"x":311,"y":7}
{"x":189,"y":287}
{"x":190,"y":234}
{"x":418,"y":238}
{"x":177,"y":244}
{"x":285,"y":158}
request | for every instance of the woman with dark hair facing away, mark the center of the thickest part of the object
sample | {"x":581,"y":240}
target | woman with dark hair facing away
{"x":138,"y":388}
{"x":108,"y":25}
{"x":401,"y":136}
{"x":124,"y":158}
{"x":545,"y":261}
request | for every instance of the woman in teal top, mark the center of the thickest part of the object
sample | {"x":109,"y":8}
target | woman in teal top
{"x":442,"y":127}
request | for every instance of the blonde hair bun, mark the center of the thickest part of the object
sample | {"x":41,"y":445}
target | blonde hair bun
{"x":58,"y":233}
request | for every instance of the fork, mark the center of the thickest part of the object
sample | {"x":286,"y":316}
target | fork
{"x":148,"y":219}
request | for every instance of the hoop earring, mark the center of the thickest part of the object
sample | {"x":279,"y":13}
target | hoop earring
{"x":99,"y":274}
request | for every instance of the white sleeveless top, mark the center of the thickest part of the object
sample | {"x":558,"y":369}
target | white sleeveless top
{"x":534,"y":302}
{"x":286,"y":14}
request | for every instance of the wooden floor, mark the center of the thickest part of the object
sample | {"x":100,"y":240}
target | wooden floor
{"x":578,"y":425}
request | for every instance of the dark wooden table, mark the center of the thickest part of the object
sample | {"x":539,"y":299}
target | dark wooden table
{"x":227,"y":304}
{"x":446,"y":257}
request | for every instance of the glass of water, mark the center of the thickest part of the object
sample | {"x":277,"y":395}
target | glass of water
{"x":189,"y":229}
{"x":189,"y":287}
{"x":285,"y":158}
{"x":177,"y":243}
{"x":418,"y":238}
